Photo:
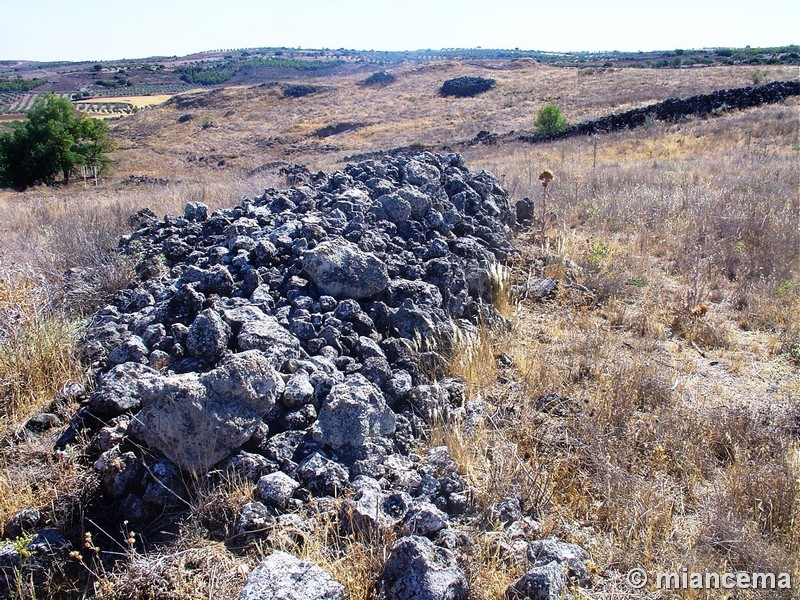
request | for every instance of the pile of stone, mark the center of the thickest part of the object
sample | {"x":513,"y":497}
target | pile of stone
{"x":675,"y":109}
{"x":297,"y":341}
{"x":465,"y":87}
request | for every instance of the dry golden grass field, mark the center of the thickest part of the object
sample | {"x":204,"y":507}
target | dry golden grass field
{"x":673,"y":341}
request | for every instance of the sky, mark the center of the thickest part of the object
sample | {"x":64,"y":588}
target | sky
{"x":48,"y":30}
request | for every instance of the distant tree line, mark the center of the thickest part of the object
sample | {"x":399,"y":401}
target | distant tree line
{"x":18,"y":84}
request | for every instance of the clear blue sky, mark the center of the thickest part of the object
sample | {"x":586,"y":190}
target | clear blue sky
{"x":103,"y":30}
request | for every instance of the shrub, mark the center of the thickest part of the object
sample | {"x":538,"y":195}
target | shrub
{"x":550,"y":121}
{"x":53,"y":140}
{"x":466,"y":86}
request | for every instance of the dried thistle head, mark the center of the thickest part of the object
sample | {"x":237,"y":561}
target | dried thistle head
{"x":546,"y":177}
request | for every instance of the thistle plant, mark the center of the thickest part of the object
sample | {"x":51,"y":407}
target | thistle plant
{"x":545,"y":177}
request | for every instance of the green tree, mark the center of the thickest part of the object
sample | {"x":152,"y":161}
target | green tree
{"x":550,"y":121}
{"x":54,"y":140}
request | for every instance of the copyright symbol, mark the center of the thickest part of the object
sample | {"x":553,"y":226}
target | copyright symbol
{"x":637,"y":578}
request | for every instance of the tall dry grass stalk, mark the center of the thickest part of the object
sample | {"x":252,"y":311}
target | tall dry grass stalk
{"x":36,"y":348}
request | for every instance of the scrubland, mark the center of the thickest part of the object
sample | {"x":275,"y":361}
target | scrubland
{"x":649,"y":411}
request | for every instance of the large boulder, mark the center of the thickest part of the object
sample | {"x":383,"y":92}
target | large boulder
{"x":340,"y":269}
{"x":419,"y":570}
{"x":269,"y":337}
{"x":197,"y":420}
{"x":353,"y":412}
{"x":281,"y":576}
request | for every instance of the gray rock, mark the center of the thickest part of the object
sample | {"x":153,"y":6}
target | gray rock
{"x":247,"y":378}
{"x":119,"y":471}
{"x":254,"y":522}
{"x":10,"y":564}
{"x":197,"y":420}
{"x":131,"y":349}
{"x":419,"y":173}
{"x":208,"y":336}
{"x":299,"y":390}
{"x":276,"y":489}
{"x":269,"y":337}
{"x":195,"y":211}
{"x":370,"y":511}
{"x":158,"y":360}
{"x":424,"y":519}
{"x":431,"y":401}
{"x":246,"y":466}
{"x":571,"y":556}
{"x":120,"y":389}
{"x":42,"y":422}
{"x":419,"y":570}
{"x":322,"y":476}
{"x":110,"y":436}
{"x":281,"y":576}
{"x":49,"y":542}
{"x":164,"y":485}
{"x":353,"y":412}
{"x":419,"y":201}
{"x":25,"y":521}
{"x":338,"y":268}
{"x":507,"y":511}
{"x":546,"y":582}
{"x":395,"y":208}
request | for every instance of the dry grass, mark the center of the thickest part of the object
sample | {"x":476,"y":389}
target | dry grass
{"x":663,"y":452}
{"x":36,"y":349}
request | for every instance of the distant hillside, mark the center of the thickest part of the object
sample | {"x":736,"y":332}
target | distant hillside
{"x":157,"y":75}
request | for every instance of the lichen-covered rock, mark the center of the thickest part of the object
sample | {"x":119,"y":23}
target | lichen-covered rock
{"x":197,"y":420}
{"x":322,"y":476}
{"x":546,"y":582}
{"x":271,"y":339}
{"x":208,"y":336}
{"x":255,"y":522}
{"x":370,"y":511}
{"x":340,"y":269}
{"x":120,"y":389}
{"x":281,"y":576}
{"x":419,"y":570}
{"x":424,"y":519}
{"x":276,"y":489}
{"x":353,"y":412}
{"x":571,"y":556}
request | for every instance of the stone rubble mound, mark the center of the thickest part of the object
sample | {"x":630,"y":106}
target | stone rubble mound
{"x":297,"y":341}
{"x":313,"y":314}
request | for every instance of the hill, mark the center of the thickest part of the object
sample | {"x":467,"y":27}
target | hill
{"x":619,"y":379}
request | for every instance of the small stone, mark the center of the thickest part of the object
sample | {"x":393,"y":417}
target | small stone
{"x":424,"y":519}
{"x":418,"y":570}
{"x":323,"y":476}
{"x":276,"y":489}
{"x":281,"y":576}
{"x":546,"y":582}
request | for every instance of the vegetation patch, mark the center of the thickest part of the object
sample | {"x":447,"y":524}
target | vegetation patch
{"x":298,"y":91}
{"x":337,"y":128}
